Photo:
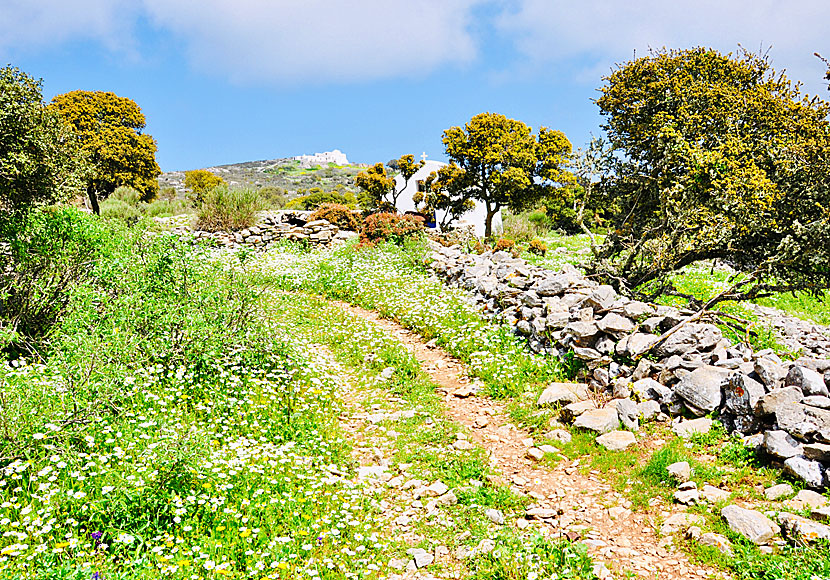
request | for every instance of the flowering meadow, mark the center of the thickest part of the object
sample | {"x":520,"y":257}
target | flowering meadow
{"x":163,"y":428}
{"x":393,"y":281}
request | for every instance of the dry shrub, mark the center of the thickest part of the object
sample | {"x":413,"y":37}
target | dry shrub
{"x":537,"y":247}
{"x":380,"y":227}
{"x":339,"y":215}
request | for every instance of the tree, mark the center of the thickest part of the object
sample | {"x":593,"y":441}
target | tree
{"x":444,"y":191}
{"x":380,"y":189}
{"x":504,"y":164}
{"x":719,"y":157}
{"x":200,"y":181}
{"x":40,"y":162}
{"x":110,"y":129}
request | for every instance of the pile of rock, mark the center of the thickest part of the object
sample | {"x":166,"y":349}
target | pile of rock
{"x":271,"y":228}
{"x":784,"y":407}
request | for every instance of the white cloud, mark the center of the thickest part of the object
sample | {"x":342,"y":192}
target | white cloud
{"x":41,"y":23}
{"x":608,"y":31}
{"x":322,"y":40}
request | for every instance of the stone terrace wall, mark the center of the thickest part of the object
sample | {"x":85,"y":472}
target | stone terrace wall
{"x":285,"y":225}
{"x":782,"y":406}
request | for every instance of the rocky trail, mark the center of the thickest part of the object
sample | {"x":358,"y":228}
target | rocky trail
{"x":567,"y":503}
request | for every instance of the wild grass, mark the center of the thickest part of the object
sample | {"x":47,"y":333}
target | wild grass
{"x":228,"y":209}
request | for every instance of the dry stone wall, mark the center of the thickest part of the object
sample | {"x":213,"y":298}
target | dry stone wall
{"x":782,"y":407}
{"x":285,"y":225}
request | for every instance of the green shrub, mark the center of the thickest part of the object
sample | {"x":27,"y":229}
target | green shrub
{"x":537,"y":247}
{"x":117,"y":209}
{"x":520,"y":228}
{"x":225,"y":209}
{"x":315,"y":198}
{"x":272,"y":197}
{"x":380,"y":227}
{"x":339,"y":215}
{"x":127,"y":194}
{"x":166,"y":208}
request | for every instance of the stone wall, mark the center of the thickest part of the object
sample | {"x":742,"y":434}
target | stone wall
{"x":271,"y":228}
{"x":781,"y":406}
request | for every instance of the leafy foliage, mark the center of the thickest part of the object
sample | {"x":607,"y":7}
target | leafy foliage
{"x":375,"y":186}
{"x":228,"y":209}
{"x":40,"y":162}
{"x":503,"y":164}
{"x":382,"y":227}
{"x":200,"y":181}
{"x":720,"y":157}
{"x":537,"y":247}
{"x":110,"y":131}
{"x":315,"y":198}
{"x":339,"y":215}
{"x":445,"y":194}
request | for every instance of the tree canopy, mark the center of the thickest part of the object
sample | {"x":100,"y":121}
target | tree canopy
{"x":718,"y":157}
{"x":503,"y":164}
{"x":444,"y":191}
{"x":380,"y":191}
{"x":40,"y":162}
{"x":200,"y":181}
{"x":110,"y":130}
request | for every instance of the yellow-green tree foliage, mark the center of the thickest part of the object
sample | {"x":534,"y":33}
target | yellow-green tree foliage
{"x":375,"y":186}
{"x":721,"y":157}
{"x":39,"y":157}
{"x":110,"y":130}
{"x":503,"y":164}
{"x":200,"y":181}
{"x":444,"y":191}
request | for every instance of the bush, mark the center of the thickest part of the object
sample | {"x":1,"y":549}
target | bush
{"x":166,"y":208}
{"x":118,"y":209}
{"x":380,"y":227}
{"x":316,"y":198}
{"x":272,"y":197}
{"x":224,"y":209}
{"x":504,"y":245}
{"x":127,"y":194}
{"x":521,"y":228}
{"x":339,"y":215}
{"x":200,"y":182}
{"x":537,"y":247}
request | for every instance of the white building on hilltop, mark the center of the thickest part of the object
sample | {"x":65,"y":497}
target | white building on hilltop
{"x":476,"y":217}
{"x":337,"y":157}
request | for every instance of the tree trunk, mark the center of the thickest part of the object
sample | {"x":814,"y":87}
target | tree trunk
{"x":488,"y":222}
{"x":93,"y":200}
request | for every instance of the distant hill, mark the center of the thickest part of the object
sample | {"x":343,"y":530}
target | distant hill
{"x":287,"y":174}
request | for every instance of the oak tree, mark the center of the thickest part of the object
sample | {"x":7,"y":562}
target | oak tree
{"x":40,"y":161}
{"x":110,"y":130}
{"x":504,"y":164}
{"x":200,"y":181}
{"x":718,"y":157}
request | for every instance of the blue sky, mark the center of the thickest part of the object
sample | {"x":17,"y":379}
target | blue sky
{"x":224,"y":81}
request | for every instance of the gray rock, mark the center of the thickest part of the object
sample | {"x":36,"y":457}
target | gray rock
{"x":599,"y":420}
{"x":686,"y":429}
{"x":553,"y":286}
{"x":628,"y":412}
{"x":602,"y":297}
{"x":691,"y":337}
{"x":615,"y":324}
{"x":637,"y":310}
{"x":817,"y":401}
{"x":742,"y":394}
{"x":535,"y":454}
{"x":495,"y":516}
{"x":781,"y":444}
{"x":771,"y":401}
{"x":422,"y":559}
{"x":648,"y":410}
{"x":617,"y":440}
{"x":810,"y":472}
{"x":817,"y":452}
{"x":713,"y":494}
{"x":582,"y":329}
{"x":755,"y":526}
{"x":559,"y":435}
{"x":716,"y":541}
{"x":778,"y":491}
{"x":572,"y":411}
{"x":802,"y":529}
{"x":809,"y":381}
{"x":770,"y":372}
{"x":646,"y":389}
{"x":680,"y":471}
{"x":802,"y":421}
{"x":563,"y":394}
{"x":681,"y":521}
{"x":702,"y":388}
{"x":807,"y":499}
{"x":687,"y":496}
{"x":637,"y":343}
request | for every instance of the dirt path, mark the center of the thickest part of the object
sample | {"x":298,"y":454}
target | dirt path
{"x":583,"y":505}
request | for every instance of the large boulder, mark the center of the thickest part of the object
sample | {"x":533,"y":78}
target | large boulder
{"x":749,"y":523}
{"x":742,"y":394}
{"x":770,"y":402}
{"x":702,"y":388}
{"x":809,"y":381}
{"x":803,"y":422}
{"x":563,"y":394}
{"x":599,"y":420}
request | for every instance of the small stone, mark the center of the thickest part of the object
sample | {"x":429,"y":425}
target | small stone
{"x":598,"y":420}
{"x":628,"y":412}
{"x":481,"y":421}
{"x":806,"y":499}
{"x":617,"y":440}
{"x":687,"y":497}
{"x":535,"y":454}
{"x":757,"y":527}
{"x":495,"y":516}
{"x":817,"y":452}
{"x":560,"y":435}
{"x":680,"y":471}
{"x":770,"y":402}
{"x":522,"y":523}
{"x":781,"y":444}
{"x":810,"y":472}
{"x":686,"y":429}
{"x":563,"y":394}
{"x":397,"y":564}
{"x":809,"y":381}
{"x":423,"y":559}
{"x":464,"y":391}
{"x":447,"y":499}
{"x":713,"y":494}
{"x":801,"y":528}
{"x":716,"y":541}
{"x":463,"y":445}
{"x":681,"y":521}
{"x":540,"y":513}
{"x":648,"y":410}
{"x":778,"y":491}
{"x":437,"y":489}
